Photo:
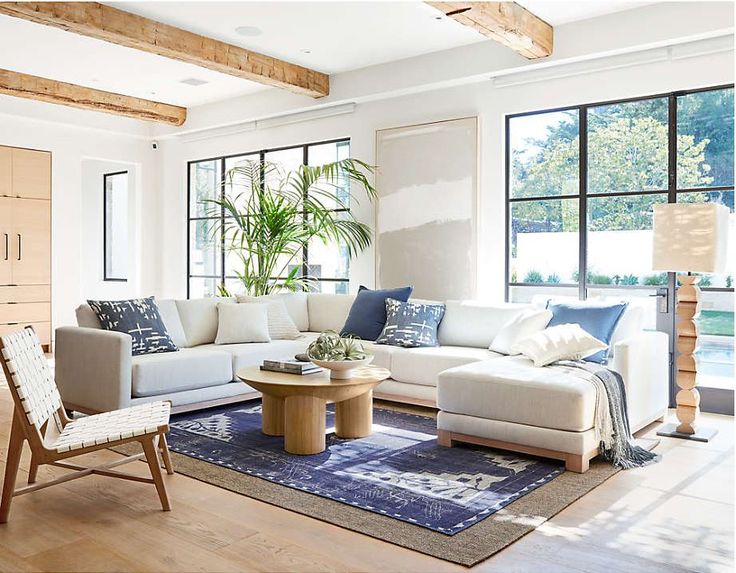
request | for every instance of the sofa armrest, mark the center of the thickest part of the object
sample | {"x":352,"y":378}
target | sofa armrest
{"x":643,"y":362}
{"x":93,"y":368}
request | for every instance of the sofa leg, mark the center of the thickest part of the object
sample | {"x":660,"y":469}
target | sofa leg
{"x":444,"y":438}
{"x":577,"y":464}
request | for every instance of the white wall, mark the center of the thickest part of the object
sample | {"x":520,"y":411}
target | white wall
{"x":73,"y":136}
{"x":93,"y":284}
{"x":678,"y":68}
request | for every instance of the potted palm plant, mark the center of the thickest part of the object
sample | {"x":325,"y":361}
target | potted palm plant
{"x":270,"y":215}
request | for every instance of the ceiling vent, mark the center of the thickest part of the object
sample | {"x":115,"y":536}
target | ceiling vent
{"x":193,"y":82}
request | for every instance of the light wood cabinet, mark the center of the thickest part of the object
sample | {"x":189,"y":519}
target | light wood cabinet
{"x":6,"y":232}
{"x":30,"y":242}
{"x":31,"y":173}
{"x":25,"y":241}
{"x":6,"y":171}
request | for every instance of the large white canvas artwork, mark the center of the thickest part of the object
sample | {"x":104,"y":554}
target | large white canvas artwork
{"x":426,"y":216}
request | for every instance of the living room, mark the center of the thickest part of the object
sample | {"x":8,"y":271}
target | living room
{"x":486,"y":246}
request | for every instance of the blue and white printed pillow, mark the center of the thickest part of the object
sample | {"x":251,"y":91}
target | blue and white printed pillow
{"x":140,"y":318}
{"x":411,"y":324}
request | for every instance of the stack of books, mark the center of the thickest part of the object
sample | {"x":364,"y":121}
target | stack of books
{"x":290,"y":366}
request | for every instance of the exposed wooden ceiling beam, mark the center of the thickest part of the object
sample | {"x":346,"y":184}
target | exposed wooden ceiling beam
{"x":43,"y":89}
{"x":125,"y":29}
{"x":506,"y":22}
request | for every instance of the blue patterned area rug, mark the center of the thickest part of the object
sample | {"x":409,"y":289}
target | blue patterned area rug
{"x":399,"y":471}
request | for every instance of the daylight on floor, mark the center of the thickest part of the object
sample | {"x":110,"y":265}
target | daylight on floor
{"x":358,"y":286}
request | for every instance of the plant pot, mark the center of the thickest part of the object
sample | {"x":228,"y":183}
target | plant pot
{"x":342,"y":369}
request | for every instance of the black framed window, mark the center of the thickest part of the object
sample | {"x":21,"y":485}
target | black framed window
{"x":208,"y":264}
{"x":115,"y":226}
{"x":580,"y":185}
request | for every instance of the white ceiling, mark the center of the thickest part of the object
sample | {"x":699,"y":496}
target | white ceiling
{"x":556,"y":13}
{"x":331,"y":37}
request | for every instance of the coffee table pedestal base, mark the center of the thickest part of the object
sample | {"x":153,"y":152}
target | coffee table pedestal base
{"x":272,"y":412}
{"x":354,"y":417}
{"x":304,"y":425}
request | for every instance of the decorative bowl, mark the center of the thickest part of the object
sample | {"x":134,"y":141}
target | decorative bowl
{"x":342,"y":369}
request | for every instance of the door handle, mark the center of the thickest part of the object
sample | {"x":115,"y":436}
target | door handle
{"x":7,"y":246}
{"x":20,"y":246}
{"x":663,"y":295}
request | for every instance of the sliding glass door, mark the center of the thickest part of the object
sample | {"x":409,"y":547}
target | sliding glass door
{"x":581,"y":182}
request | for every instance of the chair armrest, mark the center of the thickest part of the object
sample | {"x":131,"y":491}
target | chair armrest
{"x":643,"y":362}
{"x":93,"y":368}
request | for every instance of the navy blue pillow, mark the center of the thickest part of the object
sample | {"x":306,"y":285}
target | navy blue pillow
{"x":598,"y":320}
{"x":138,"y":317}
{"x":411,"y":324}
{"x":367,"y":316}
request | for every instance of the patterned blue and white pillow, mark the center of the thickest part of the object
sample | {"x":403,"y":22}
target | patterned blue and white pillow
{"x":138,"y":317}
{"x":411,"y":324}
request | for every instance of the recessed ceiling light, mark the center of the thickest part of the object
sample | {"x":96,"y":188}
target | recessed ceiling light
{"x":193,"y":82}
{"x":306,"y":51}
{"x":248,"y":31}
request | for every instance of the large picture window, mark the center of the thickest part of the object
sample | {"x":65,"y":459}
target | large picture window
{"x":581,"y":182}
{"x":209,"y":265}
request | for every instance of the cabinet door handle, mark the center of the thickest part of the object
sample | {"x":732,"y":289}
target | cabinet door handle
{"x":20,"y":247}
{"x":7,"y":246}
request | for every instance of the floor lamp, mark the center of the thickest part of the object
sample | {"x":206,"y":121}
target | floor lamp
{"x":689,"y":237}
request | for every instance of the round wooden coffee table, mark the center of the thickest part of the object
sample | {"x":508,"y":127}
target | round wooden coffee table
{"x":294,"y":405}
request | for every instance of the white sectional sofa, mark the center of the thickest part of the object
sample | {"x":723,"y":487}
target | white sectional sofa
{"x":478,"y":388}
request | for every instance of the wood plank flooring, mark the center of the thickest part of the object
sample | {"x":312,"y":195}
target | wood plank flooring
{"x":673,"y":517}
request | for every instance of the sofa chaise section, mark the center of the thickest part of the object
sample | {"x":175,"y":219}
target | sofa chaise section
{"x":509,"y":404}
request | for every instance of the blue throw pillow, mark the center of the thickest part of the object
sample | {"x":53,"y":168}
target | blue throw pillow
{"x":598,"y":320}
{"x":140,"y":318}
{"x":411,"y":324}
{"x":367,"y":316}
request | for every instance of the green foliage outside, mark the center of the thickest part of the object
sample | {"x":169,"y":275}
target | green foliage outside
{"x":627,"y":153}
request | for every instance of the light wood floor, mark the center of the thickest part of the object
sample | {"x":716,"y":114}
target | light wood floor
{"x":672,"y":517}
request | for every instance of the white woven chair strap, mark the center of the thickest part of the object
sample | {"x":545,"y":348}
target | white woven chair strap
{"x":31,"y":377}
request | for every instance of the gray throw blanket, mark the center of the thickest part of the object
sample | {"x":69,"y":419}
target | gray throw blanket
{"x":611,"y":420}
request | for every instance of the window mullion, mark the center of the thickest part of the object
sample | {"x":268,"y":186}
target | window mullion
{"x":583,"y":204}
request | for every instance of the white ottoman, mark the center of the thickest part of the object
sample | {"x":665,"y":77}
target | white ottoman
{"x":509,"y":404}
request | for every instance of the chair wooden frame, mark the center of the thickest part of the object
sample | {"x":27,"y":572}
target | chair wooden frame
{"x":23,"y":430}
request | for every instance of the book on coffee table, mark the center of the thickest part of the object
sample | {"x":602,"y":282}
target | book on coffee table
{"x":290,"y":366}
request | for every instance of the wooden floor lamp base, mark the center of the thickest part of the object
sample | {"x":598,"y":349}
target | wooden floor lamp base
{"x":701,"y":435}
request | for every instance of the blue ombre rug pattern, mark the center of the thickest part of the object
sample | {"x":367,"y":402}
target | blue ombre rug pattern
{"x":398,"y":471}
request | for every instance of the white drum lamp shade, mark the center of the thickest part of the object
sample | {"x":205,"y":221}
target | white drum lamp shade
{"x":690,"y":237}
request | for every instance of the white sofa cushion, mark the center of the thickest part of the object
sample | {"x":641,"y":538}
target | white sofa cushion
{"x":520,"y":327}
{"x":467,"y":323}
{"x":513,"y":390}
{"x":280,"y":324}
{"x":253,"y":354}
{"x":295,"y":303}
{"x":170,"y":315}
{"x":199,"y":318}
{"x":328,"y":311}
{"x":242,"y":323}
{"x":382,"y":354}
{"x":86,"y":317}
{"x":188,"y":369}
{"x":422,"y":365}
{"x":561,"y":342}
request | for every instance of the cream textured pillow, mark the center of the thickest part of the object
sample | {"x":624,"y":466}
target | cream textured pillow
{"x":280,"y":325}
{"x":519,"y":328}
{"x":563,"y":342}
{"x":242,"y":323}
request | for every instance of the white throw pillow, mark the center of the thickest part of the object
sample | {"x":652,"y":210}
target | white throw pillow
{"x":519,"y":328}
{"x":563,"y":342}
{"x":280,"y":325}
{"x":242,"y":323}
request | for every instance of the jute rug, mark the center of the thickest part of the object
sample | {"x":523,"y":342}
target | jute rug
{"x":467,"y":547}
